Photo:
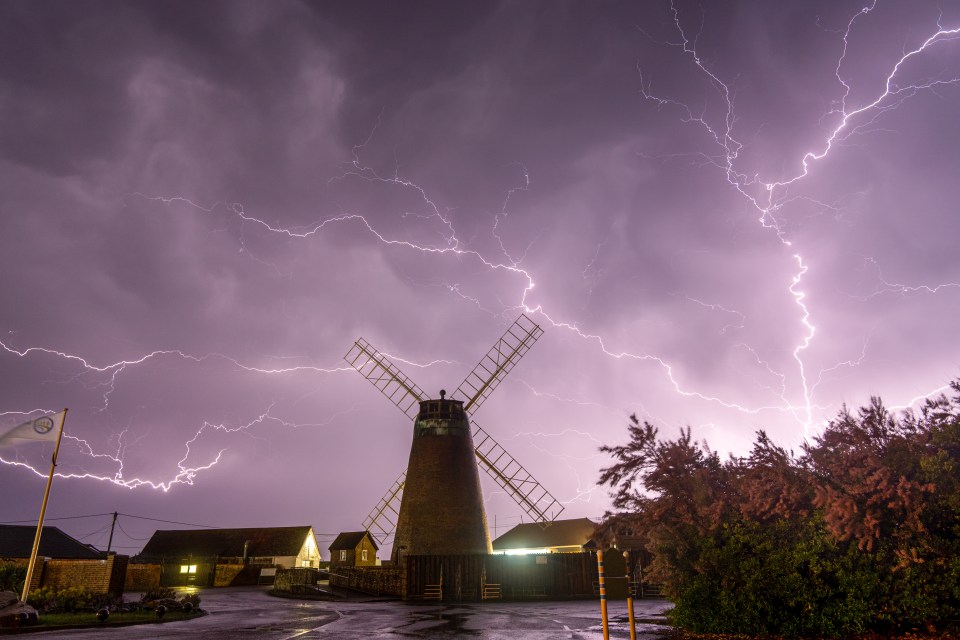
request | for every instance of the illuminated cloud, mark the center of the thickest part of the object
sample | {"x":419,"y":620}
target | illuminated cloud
{"x":730,"y":217}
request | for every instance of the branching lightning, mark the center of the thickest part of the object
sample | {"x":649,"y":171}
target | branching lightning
{"x":773,"y":195}
{"x":767,"y":198}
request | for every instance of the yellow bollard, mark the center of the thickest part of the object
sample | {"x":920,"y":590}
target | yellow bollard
{"x":633,"y":623}
{"x":603,"y":596}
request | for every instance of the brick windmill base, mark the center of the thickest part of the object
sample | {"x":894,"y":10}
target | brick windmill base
{"x":441,"y":512}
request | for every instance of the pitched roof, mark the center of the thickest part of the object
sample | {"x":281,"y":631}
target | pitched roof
{"x":208,"y":543}
{"x":17,"y":542}
{"x":350,"y":540}
{"x":560,"y":533}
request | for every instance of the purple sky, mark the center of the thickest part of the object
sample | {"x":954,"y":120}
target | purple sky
{"x":203,"y":205}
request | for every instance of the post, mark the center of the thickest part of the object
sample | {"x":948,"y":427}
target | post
{"x":112,"y":525}
{"x":628,"y":572}
{"x":43,"y":510}
{"x":603,"y":596}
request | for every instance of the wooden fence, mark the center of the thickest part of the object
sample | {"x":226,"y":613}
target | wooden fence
{"x":511,"y":577}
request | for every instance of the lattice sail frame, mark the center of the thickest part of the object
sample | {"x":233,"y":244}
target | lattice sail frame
{"x":519,"y":484}
{"x":381,"y":522}
{"x":497,"y":363}
{"x":515,"y":479}
{"x":386,"y":376}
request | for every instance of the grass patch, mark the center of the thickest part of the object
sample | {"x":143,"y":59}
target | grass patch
{"x":116,"y":618}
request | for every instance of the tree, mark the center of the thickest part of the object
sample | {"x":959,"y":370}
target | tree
{"x":861,"y":532}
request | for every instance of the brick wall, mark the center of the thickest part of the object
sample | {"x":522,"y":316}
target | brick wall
{"x":374,"y":580}
{"x":97,"y":576}
{"x":142,"y":577}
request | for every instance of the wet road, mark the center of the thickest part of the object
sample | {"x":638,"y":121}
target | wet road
{"x":248,"y":612}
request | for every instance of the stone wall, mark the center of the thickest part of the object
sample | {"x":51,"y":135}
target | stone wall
{"x":235,"y":575}
{"x":142,"y":577}
{"x":287,"y":578}
{"x":97,"y":576}
{"x":373,"y":580}
{"x":226,"y":573}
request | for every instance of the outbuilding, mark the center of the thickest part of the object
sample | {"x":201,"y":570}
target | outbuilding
{"x":221,"y":557}
{"x":560,"y":536}
{"x":354,"y":549}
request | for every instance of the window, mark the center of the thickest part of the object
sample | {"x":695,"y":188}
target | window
{"x":188,"y":568}
{"x":343,"y":555}
{"x":363,"y":555}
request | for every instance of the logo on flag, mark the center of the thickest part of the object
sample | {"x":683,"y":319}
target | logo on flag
{"x":43,"y":425}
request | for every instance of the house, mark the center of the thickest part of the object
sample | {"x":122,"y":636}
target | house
{"x":560,"y":536}
{"x":353,"y":549}
{"x":63,"y":561}
{"x":220,"y":557}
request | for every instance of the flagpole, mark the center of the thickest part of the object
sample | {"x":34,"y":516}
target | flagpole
{"x":43,"y":510}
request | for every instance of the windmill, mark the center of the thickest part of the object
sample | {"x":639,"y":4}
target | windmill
{"x":436,"y":506}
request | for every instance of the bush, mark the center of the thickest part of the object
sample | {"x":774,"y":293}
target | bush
{"x":861,"y":533}
{"x":168,"y":598}
{"x":157,"y":595}
{"x":70,"y":600}
{"x":12,"y":576}
{"x":193,"y":599}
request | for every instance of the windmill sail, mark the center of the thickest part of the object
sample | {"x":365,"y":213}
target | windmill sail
{"x":381,"y":522}
{"x":532,"y":497}
{"x":514,"y":478}
{"x":497,"y":363}
{"x":385,"y":376}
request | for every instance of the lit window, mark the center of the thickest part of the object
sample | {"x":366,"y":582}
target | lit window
{"x":188,"y":568}
{"x":183,"y":568}
{"x":363,"y":555}
{"x":343,"y":555}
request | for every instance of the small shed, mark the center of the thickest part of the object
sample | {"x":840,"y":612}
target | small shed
{"x":560,"y":536}
{"x":354,"y":549}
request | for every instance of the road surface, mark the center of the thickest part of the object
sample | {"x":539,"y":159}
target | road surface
{"x":249,"y":612}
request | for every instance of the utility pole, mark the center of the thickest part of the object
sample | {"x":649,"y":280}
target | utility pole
{"x":112,"y":525}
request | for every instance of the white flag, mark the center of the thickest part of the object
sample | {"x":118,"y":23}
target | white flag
{"x":45,"y":428}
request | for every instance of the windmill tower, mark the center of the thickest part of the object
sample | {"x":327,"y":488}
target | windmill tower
{"x":436,"y":506}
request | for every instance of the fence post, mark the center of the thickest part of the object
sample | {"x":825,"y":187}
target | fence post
{"x":633,"y":624}
{"x":603,"y":596}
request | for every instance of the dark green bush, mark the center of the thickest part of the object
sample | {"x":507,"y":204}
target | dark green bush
{"x":12,"y":576}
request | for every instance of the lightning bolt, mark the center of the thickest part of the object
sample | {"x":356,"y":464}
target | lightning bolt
{"x":186,"y":471}
{"x":896,"y":287}
{"x":766,"y":197}
{"x":769,"y":197}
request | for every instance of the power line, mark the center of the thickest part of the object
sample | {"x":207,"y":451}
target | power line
{"x":120,"y":526}
{"x":34,"y":521}
{"x":186,"y":524}
{"x":101,"y":531}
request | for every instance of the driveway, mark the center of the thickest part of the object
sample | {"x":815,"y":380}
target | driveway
{"x":249,"y":612}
